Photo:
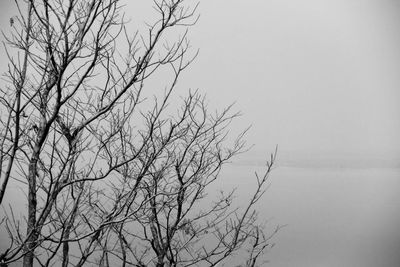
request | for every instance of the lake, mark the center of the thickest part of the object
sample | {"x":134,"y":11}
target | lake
{"x":337,"y":212}
{"x":343,"y":213}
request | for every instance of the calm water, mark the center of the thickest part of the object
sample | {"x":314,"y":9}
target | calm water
{"x":335,"y":216}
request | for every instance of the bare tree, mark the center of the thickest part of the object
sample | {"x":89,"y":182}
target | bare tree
{"x":113,"y":176}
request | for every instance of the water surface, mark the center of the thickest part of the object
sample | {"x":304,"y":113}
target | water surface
{"x":339,"y":214}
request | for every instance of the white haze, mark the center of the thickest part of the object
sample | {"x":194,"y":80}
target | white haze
{"x":320,"y":79}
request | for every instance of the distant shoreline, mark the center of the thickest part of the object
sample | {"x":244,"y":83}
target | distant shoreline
{"x":317,"y":160}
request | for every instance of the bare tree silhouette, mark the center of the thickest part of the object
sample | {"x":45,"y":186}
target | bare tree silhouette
{"x":111,"y":179}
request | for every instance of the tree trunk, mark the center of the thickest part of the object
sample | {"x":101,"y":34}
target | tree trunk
{"x":31,"y":232}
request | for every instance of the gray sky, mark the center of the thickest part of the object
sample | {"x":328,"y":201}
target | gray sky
{"x":308,"y":75}
{"x":312,"y":75}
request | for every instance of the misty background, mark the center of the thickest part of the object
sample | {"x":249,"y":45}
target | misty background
{"x":320,"y":79}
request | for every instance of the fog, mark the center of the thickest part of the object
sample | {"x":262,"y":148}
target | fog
{"x":320,"y":79}
{"x":308,"y":75}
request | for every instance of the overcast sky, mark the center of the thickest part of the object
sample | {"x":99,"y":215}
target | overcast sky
{"x":313,"y":75}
